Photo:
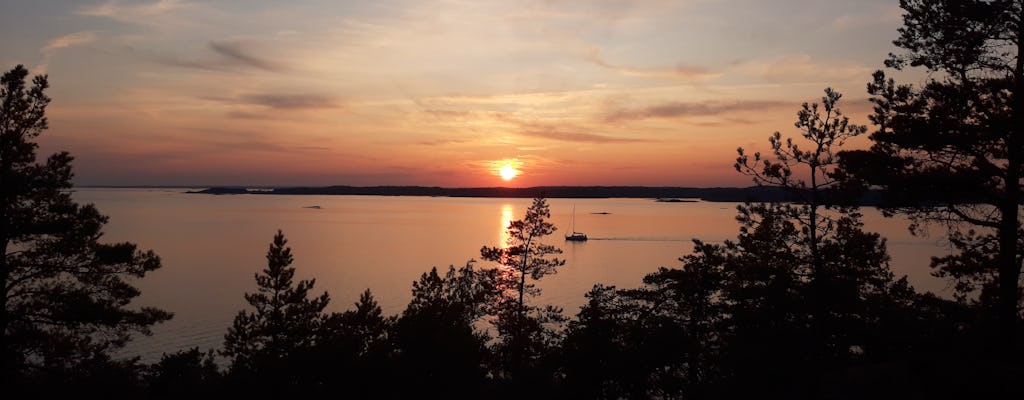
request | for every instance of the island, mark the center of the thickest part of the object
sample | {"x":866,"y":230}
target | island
{"x":658,"y":193}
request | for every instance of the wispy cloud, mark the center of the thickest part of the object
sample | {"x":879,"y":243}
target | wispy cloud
{"x":510,"y":122}
{"x":680,"y":71}
{"x":800,"y":67}
{"x":131,"y":12}
{"x":442,"y":142}
{"x":447,"y":114}
{"x":69,"y":40}
{"x":880,"y":15}
{"x":237,"y":53}
{"x":247,"y":115}
{"x":579,"y":137}
{"x":681,"y":109}
{"x":229,"y":56}
{"x":290,"y":101}
{"x":277,"y":101}
{"x":567,"y":133}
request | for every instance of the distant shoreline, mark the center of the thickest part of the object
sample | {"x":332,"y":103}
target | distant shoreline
{"x":659,"y":193}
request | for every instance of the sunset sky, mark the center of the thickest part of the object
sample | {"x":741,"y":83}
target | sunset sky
{"x":436,"y":93}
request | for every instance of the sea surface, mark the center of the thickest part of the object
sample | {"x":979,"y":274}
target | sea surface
{"x":213,"y":245}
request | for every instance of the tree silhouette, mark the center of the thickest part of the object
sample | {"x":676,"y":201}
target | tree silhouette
{"x":353,"y":351}
{"x":951,"y":150}
{"x":63,"y":293}
{"x":523,"y":328}
{"x":268,"y":345}
{"x":442,"y":351}
{"x":826,"y":130}
{"x":184,"y":373}
{"x":656,"y":341}
{"x":524,"y":254}
{"x":814,"y":180}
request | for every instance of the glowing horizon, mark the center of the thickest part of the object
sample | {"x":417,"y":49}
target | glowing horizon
{"x":397,"y":92}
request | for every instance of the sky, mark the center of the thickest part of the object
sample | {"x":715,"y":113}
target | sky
{"x":436,"y":93}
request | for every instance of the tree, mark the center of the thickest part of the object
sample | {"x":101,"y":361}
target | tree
{"x":353,"y":350}
{"x":814,"y":181}
{"x":64,"y":295}
{"x":520,"y":326}
{"x":826,"y":130}
{"x":657,"y":341}
{"x":184,"y":373}
{"x":269,"y":344}
{"x":951,"y":151}
{"x":603,"y":355}
{"x":441,"y":350}
{"x":804,"y":278}
{"x":524,"y":254}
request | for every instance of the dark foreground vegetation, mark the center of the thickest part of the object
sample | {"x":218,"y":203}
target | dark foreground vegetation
{"x":802,"y":304}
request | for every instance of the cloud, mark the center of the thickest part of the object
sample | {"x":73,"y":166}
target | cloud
{"x":681,"y":109}
{"x":194,"y":64}
{"x":277,"y":101}
{"x":888,"y":14}
{"x":531,"y":129}
{"x":442,"y":142}
{"x":230,"y":56}
{"x":69,"y":40}
{"x":680,"y":71}
{"x":579,"y":137}
{"x":134,"y":12}
{"x":800,"y":67}
{"x":290,"y":101}
{"x":247,"y":115}
{"x":447,"y":114}
{"x":236,"y":53}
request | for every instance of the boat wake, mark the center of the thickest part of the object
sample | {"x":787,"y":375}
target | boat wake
{"x":641,"y":239}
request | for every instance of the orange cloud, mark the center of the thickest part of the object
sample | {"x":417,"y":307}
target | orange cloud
{"x":682,"y":72}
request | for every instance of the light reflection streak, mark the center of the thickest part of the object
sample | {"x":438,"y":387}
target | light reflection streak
{"x":506,"y":220}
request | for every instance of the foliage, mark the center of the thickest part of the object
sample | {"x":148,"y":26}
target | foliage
{"x":525,"y":254}
{"x":825,"y":128}
{"x":184,"y":373}
{"x":657,"y":341}
{"x":525,"y":331}
{"x":817,"y":182}
{"x":352,"y":350}
{"x":950,"y":150}
{"x":442,"y":348}
{"x":737,"y":319}
{"x":268,"y":345}
{"x":64,"y":295}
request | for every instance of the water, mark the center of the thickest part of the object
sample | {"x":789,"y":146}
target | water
{"x":212,"y":246}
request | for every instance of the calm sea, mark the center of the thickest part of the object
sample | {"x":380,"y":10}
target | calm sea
{"x":211,"y":247}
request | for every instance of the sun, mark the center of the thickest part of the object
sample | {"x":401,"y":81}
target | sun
{"x":507,"y":168}
{"x":508,"y":172}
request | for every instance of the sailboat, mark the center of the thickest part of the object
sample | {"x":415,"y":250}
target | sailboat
{"x":575,"y":236}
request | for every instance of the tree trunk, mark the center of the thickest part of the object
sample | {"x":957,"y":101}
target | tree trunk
{"x":1009,"y":268}
{"x":5,"y":226}
{"x":5,"y":367}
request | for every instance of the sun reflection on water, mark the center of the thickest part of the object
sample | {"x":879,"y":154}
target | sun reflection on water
{"x":506,"y":220}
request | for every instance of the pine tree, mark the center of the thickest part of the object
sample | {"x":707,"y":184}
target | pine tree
{"x":950,"y":151}
{"x":268,"y":343}
{"x":808,"y":169}
{"x":442,"y":353}
{"x":63,"y":293}
{"x":524,"y":329}
{"x":525,"y":255}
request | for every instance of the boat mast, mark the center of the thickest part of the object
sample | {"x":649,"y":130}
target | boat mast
{"x":572,"y":224}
